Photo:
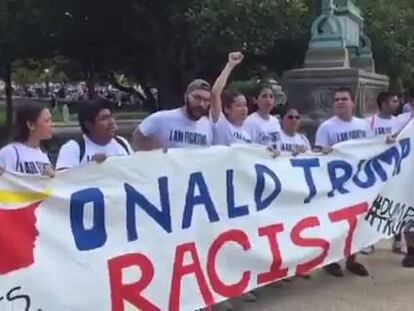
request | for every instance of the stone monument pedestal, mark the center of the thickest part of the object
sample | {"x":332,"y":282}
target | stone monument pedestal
{"x":339,"y":55}
{"x":310,"y":90}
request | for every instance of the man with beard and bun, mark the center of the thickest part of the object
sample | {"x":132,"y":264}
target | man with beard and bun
{"x":186,"y":127}
{"x":343,"y":126}
{"x":98,"y":141}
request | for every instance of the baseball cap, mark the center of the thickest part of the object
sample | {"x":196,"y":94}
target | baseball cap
{"x":198,"y":84}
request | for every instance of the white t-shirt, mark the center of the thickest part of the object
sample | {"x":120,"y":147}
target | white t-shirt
{"x":173,"y":129}
{"x":262,"y":131}
{"x":292,"y":143}
{"x":407,"y":108}
{"x":335,"y":130}
{"x":381,"y":126}
{"x":16,"y":157}
{"x":403,"y":119}
{"x":226,"y":133}
{"x":69,"y":153}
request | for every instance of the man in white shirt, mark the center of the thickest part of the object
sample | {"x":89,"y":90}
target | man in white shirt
{"x":408,"y":107}
{"x":186,"y":127}
{"x":343,"y":126}
{"x":384,"y":123}
{"x":98,"y":141}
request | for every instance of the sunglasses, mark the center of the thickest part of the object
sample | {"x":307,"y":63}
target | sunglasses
{"x":294,"y":117}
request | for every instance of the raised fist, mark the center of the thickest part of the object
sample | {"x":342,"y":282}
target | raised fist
{"x":235,"y":58}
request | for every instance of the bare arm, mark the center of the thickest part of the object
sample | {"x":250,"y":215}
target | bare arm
{"x":235,"y":58}
{"x":145,"y":143}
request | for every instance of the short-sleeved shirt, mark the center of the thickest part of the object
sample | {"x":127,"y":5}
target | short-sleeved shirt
{"x":403,"y":119}
{"x":335,"y":130}
{"x":173,"y":129}
{"x":69,"y":153}
{"x":226,"y":133}
{"x":263,"y":131}
{"x":407,"y":108}
{"x":292,"y":143}
{"x":383,"y":127}
{"x":17,"y":157}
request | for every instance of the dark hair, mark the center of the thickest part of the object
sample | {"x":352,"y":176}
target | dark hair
{"x":26,"y":113}
{"x":345,"y":89}
{"x":285,"y":109}
{"x":256,"y":90}
{"x":88,"y":111}
{"x":260,"y":86}
{"x":384,"y":97}
{"x":228,"y":97}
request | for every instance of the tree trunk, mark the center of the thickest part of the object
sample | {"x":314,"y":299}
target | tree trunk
{"x":9,"y":99}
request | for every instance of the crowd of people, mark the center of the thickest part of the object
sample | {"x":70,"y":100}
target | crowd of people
{"x":78,"y":91}
{"x":210,"y":116}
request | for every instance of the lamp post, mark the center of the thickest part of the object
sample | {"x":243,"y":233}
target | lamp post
{"x":47,"y":70}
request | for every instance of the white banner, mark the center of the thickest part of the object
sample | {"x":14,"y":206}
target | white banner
{"x":190,"y":228}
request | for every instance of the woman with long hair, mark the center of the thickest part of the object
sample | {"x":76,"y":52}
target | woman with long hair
{"x":24,"y":154}
{"x":263,"y":128}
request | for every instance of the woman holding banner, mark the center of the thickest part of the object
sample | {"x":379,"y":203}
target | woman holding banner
{"x":24,"y":155}
{"x":228,"y":111}
{"x":264,"y":128}
{"x":291,"y":140}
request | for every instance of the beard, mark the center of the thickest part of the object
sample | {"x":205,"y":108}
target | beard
{"x":195,"y":113}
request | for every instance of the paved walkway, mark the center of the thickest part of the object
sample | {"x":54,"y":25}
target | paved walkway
{"x":390,"y":288}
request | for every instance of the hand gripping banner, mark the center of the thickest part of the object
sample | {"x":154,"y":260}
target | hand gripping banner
{"x":190,"y":228}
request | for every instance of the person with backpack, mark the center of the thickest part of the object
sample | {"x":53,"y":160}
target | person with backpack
{"x":24,"y":154}
{"x":98,"y":141}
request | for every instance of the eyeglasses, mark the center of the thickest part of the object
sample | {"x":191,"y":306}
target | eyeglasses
{"x":294,"y":117}
{"x":199,"y":98}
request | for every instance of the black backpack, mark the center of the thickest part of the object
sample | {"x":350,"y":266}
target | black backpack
{"x":82,"y":146}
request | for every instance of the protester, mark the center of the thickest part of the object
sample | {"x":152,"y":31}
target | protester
{"x":229,"y":109}
{"x":404,"y":119}
{"x":186,"y":127}
{"x":409,"y":106}
{"x":343,"y":126}
{"x":384,"y":123}
{"x":291,"y":140}
{"x":25,"y":155}
{"x":264,"y":128}
{"x":98,"y":141}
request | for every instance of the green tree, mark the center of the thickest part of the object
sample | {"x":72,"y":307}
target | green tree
{"x":178,"y":40}
{"x":390,"y":27}
{"x":23,"y":33}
